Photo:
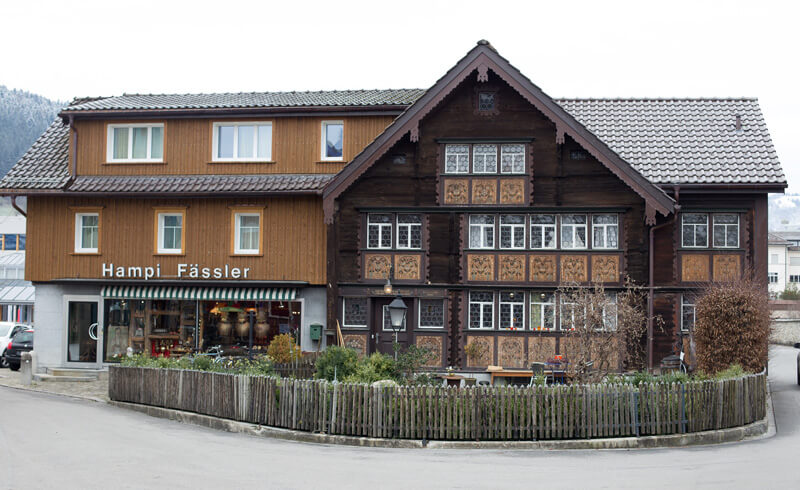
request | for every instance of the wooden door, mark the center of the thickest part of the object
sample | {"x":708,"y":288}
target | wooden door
{"x":382,"y":333}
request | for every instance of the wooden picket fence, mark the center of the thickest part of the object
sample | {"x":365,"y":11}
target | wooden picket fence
{"x":303,"y":368}
{"x":443,"y":413}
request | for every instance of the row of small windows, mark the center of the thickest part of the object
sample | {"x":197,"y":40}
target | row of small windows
{"x":542,"y":311}
{"x":170,"y":232}
{"x":12,"y":242}
{"x":484,"y":159}
{"x":231,"y":142}
{"x":725,"y":230}
{"x":406,"y":227}
{"x":544,"y":231}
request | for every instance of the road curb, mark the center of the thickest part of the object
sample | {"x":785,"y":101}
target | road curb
{"x":733,"y":434}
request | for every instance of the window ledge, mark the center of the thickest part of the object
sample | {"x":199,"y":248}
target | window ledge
{"x":246,"y":255}
{"x":331,"y":161}
{"x":167,"y":254}
{"x":85,"y":253}
{"x":133,"y":163}
{"x":248,"y":162}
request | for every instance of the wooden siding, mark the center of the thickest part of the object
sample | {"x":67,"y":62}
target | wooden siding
{"x":187,"y":147}
{"x":293,"y":236}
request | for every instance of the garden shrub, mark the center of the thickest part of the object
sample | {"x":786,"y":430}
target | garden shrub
{"x":283,"y":349}
{"x":790,"y":293}
{"x":342,"y":361}
{"x":259,"y":366}
{"x":732,"y":326}
{"x":410,"y":361}
{"x":374,"y":368}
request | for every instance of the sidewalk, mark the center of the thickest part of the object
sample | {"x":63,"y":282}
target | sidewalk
{"x":91,"y":390}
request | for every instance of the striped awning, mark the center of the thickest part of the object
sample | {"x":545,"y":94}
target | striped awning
{"x":199,"y":293}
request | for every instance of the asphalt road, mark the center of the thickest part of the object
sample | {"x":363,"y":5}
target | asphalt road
{"x":49,"y":441}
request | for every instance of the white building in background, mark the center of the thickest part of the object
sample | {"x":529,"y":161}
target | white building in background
{"x":784,"y":260}
{"x":16,"y":294}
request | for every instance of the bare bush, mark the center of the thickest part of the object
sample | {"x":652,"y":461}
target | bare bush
{"x":732,"y":321}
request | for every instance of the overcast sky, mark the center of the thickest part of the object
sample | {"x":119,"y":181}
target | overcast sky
{"x":63,"y":49}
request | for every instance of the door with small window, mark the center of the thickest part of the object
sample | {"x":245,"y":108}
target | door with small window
{"x":382,"y":333}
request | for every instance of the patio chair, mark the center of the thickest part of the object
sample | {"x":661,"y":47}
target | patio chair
{"x":537,"y":369}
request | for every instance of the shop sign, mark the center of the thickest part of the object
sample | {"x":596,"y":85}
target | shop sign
{"x":184,"y":271}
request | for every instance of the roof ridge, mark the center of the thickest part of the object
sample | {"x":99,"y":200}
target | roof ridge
{"x":648,"y":99}
{"x":254,"y":92}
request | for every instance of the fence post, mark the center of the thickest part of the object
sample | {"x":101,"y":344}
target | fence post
{"x":683,"y":408}
{"x":333,"y":407}
{"x":635,"y":408}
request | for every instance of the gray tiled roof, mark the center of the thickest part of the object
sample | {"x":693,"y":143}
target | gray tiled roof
{"x":45,"y":165}
{"x":667,"y":140}
{"x":684,"y":140}
{"x":335,"y":98}
{"x":190,"y":184}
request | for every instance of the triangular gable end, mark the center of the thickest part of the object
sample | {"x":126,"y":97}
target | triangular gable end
{"x":483,"y":58}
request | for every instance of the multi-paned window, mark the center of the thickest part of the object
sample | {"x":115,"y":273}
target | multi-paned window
{"x":87,"y":232}
{"x":570,"y":315}
{"x":431,"y":313}
{"x":481,"y":310}
{"x":604,"y":231}
{"x":726,"y":230}
{"x":687,"y":313}
{"x":543,"y":231}
{"x":793,"y":278}
{"x":170,"y":233}
{"x":409,"y":231}
{"x":354,"y":312}
{"x":379,"y":230}
{"x":573,"y":231}
{"x":247,"y":233}
{"x":512,"y":310}
{"x":13,"y":241}
{"x":136,"y":143}
{"x":242,"y":141}
{"x":694,"y":230}
{"x":484,"y":158}
{"x":610,"y":312}
{"x":481,"y":231}
{"x":543,"y":311}
{"x":773,"y":277}
{"x":332,"y":140}
{"x":512,"y":231}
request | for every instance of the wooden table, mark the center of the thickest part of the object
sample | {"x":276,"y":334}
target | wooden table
{"x":508,"y":373}
{"x":452,"y":379}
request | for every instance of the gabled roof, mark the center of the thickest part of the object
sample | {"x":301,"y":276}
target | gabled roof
{"x":252,"y":100}
{"x":483,"y":58}
{"x":45,"y":166}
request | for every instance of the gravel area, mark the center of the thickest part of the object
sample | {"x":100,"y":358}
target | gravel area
{"x":92,"y":390}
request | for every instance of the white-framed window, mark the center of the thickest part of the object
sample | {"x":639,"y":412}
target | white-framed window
{"x":247,"y":233}
{"x":687,"y":313}
{"x":605,"y":230}
{"x":543,"y":311}
{"x":379,"y":231}
{"x":573,"y":231}
{"x":512,"y":310}
{"x":431,"y":313}
{"x":87,"y":232}
{"x":794,"y":261}
{"x":512,"y":231}
{"x":456,"y":159}
{"x":484,"y":159}
{"x":481,"y":310}
{"x":610,"y":312}
{"x":135,"y":142}
{"x":249,"y":141}
{"x":512,"y":159}
{"x":170,"y":233}
{"x":409,"y":231}
{"x":543,"y":231}
{"x":332,"y":140}
{"x":773,"y":277}
{"x":481,"y":231}
{"x":773,"y":259}
{"x":694,"y":230}
{"x":726,"y":230}
{"x":570,"y":315}
{"x":354,"y":312}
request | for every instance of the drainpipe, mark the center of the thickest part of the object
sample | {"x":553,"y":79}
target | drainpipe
{"x":16,"y":206}
{"x":650,"y":289}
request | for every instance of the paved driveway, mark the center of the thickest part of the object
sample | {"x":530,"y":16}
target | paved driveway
{"x":54,"y":442}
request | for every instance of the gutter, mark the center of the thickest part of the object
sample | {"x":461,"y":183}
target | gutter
{"x":16,"y":206}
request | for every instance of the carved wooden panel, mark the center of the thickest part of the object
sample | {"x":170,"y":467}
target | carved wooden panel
{"x":377,"y":266}
{"x":694,"y":268}
{"x":574,"y":268}
{"x":484,"y":351}
{"x":512,"y":268}
{"x":484,"y":191}
{"x":541,"y":349}
{"x":456,"y":191}
{"x":480,"y":267}
{"x":605,"y":268}
{"x":434,"y":344}
{"x":407,"y":267}
{"x":727,"y":267}
{"x":512,"y":191}
{"x":357,"y":342}
{"x":543,"y":268}
{"x":511,"y":352}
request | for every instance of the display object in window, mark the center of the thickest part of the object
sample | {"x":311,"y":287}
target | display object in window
{"x":481,"y":231}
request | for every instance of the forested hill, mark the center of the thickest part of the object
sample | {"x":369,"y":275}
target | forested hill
{"x":23,"y":118}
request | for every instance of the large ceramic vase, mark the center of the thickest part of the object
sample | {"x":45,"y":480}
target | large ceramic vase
{"x":242,"y":326}
{"x":262,"y":327}
{"x":224,"y":325}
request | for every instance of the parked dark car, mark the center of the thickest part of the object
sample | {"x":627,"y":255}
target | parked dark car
{"x":797,"y":346}
{"x":20,"y":342}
